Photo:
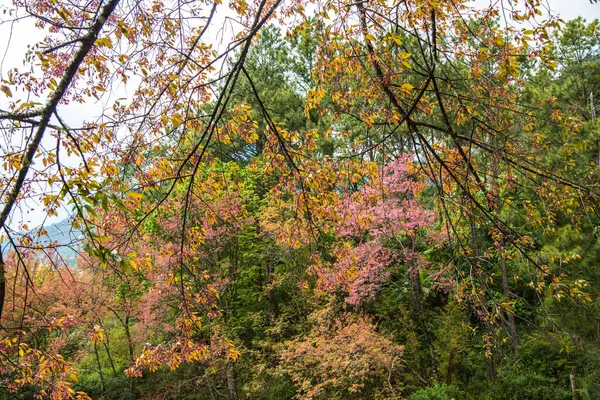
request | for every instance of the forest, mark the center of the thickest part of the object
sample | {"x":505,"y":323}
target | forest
{"x":299,"y":199}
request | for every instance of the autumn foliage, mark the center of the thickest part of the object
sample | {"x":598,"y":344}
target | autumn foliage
{"x":299,"y":200}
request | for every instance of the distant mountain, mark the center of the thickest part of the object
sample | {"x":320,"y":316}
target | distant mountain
{"x":68,"y":240}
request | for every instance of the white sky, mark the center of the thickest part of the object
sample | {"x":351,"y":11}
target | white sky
{"x":14,"y":39}
{"x":566,"y":9}
{"x":570,"y":9}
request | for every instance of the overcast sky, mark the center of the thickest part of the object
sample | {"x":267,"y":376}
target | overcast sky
{"x":570,"y":9}
{"x":566,"y":9}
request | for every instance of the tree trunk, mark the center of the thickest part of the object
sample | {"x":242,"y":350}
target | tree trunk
{"x":479,"y":276}
{"x":2,"y":285}
{"x":110,"y":359}
{"x":125,"y":324}
{"x":492,"y":369}
{"x":231,"y":383}
{"x":417,"y":309}
{"x":129,"y":340}
{"x":512,"y":325}
{"x":103,"y":386}
{"x":131,"y":352}
{"x":573,"y":384}
{"x":450,"y":368}
{"x":417,"y":292}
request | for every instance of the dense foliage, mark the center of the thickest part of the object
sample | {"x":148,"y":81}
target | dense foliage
{"x":348,"y":201}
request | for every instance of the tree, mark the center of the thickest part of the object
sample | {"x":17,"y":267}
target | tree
{"x":384,"y":160}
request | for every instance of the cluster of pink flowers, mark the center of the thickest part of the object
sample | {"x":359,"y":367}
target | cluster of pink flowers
{"x":374,"y":224}
{"x":360,"y":271}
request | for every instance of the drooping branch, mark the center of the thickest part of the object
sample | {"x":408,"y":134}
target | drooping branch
{"x":87,"y":43}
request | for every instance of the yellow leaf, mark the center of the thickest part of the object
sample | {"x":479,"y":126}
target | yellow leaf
{"x":104,"y":42}
{"x":6,"y":90}
{"x":396,"y":39}
{"x":407,"y":87}
{"x":135,"y":195}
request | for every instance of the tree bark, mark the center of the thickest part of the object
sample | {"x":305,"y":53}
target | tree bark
{"x":110,"y":359}
{"x":131,"y":352}
{"x":103,"y":386}
{"x":417,"y":309}
{"x":130,"y":347}
{"x":450,"y":368}
{"x":231,"y":382}
{"x":479,"y":278}
{"x":573,"y":384}
{"x":2,"y":285}
{"x":512,"y":325}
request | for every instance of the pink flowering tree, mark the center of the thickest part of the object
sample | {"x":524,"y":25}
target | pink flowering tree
{"x":378,"y":226}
